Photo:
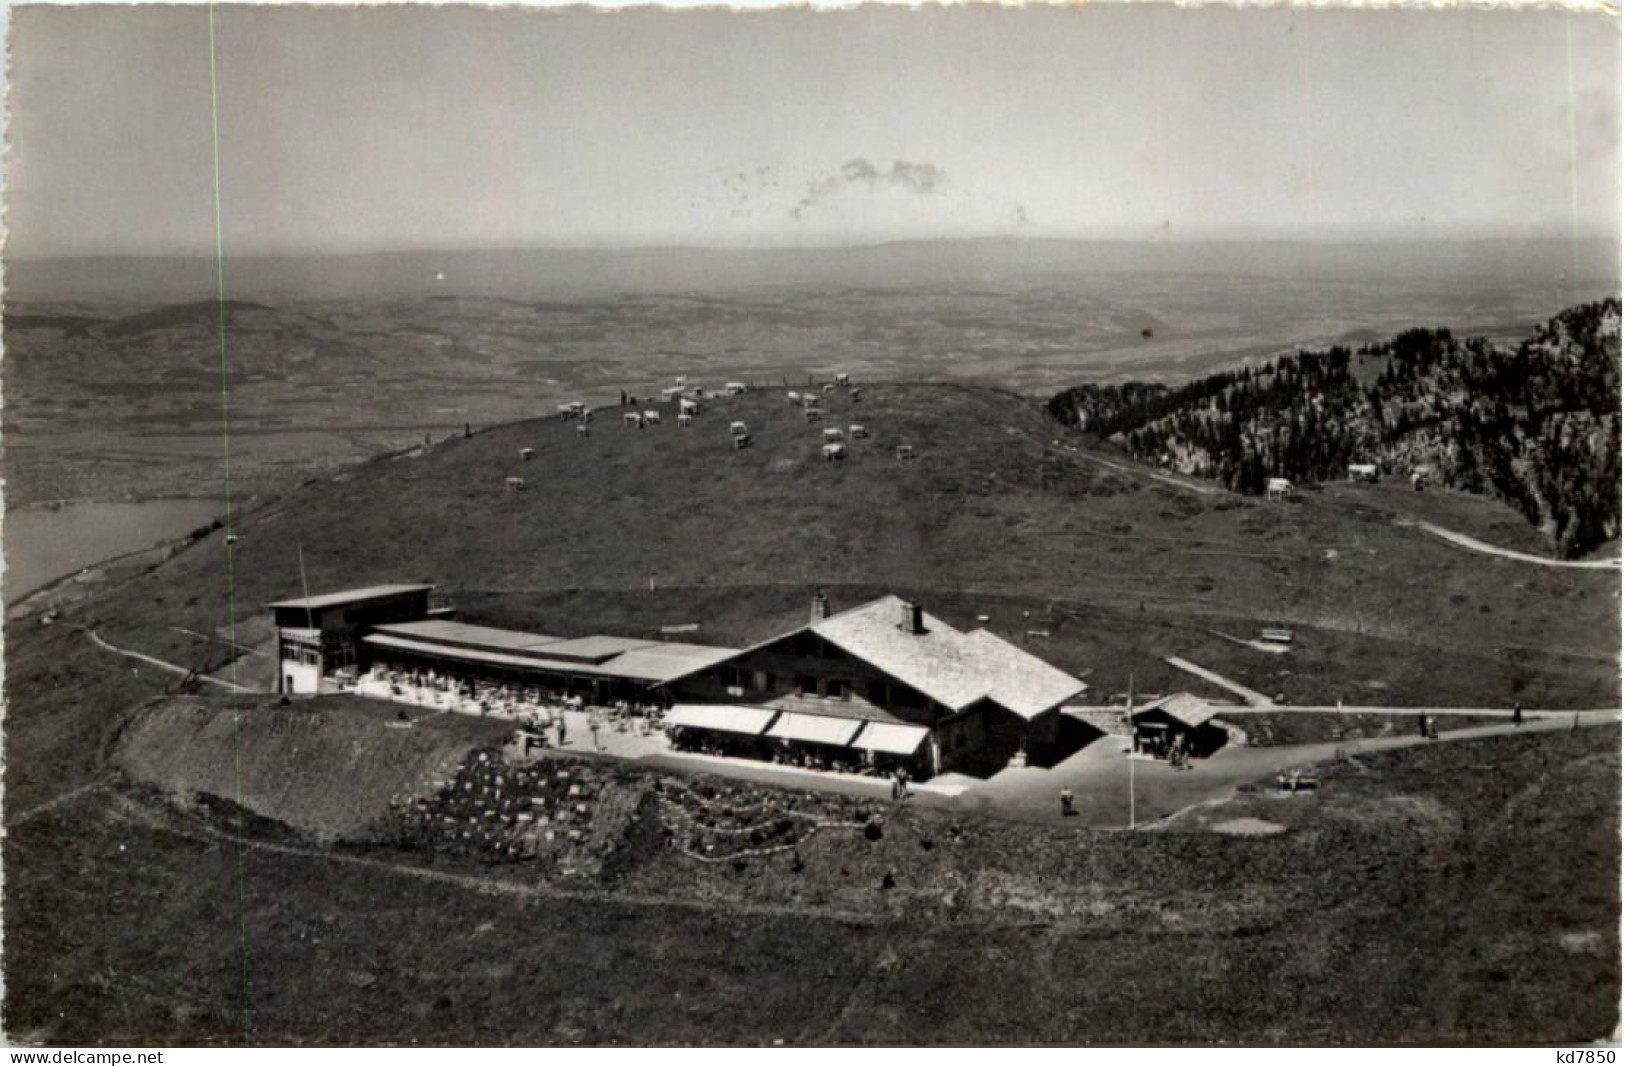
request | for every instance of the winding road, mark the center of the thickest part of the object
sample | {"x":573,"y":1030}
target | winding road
{"x":1462,"y":540}
{"x":160,"y":664}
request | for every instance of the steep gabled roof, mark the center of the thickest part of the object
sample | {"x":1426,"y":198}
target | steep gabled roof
{"x":953,"y":668}
{"x":1182,"y":707}
{"x":935,"y":662}
{"x":1022,"y":682}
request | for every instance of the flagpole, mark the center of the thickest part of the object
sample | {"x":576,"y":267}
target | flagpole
{"x":1131,"y":747}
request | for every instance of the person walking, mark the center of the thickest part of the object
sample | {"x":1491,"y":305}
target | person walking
{"x":1517,"y":714}
{"x":560,"y":725}
{"x":1066,"y":803}
{"x":593,"y":725}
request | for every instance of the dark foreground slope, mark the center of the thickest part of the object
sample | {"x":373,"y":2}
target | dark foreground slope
{"x":1466,"y":892}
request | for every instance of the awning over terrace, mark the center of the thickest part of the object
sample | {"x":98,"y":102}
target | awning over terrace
{"x":880,"y":738}
{"x":815,"y":729}
{"x":889,"y":738}
{"x":723,"y":718}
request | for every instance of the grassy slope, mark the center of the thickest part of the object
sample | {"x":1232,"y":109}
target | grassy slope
{"x":993,"y":518}
{"x":329,"y":769}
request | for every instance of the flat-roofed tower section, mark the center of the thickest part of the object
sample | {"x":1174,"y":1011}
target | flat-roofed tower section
{"x":318,"y":635}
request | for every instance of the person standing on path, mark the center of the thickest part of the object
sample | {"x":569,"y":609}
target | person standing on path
{"x":1066,"y":803}
{"x":1517,"y":714}
{"x":559,"y":724}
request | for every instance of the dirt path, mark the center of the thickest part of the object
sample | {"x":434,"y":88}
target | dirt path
{"x":1253,"y":697}
{"x":160,"y":664}
{"x":53,"y":803}
{"x":1462,"y":540}
{"x":1586,"y":717}
{"x":1144,"y":471}
{"x":1102,"y":778}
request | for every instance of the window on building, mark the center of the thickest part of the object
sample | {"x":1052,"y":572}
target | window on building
{"x":763,"y":680}
{"x":835,"y":688}
{"x":807,"y":686}
{"x":730,"y":676}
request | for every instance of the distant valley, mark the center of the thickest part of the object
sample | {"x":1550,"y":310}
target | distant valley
{"x":121,"y":374}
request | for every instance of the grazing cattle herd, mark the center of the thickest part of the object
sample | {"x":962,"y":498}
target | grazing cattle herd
{"x":686,"y":397}
{"x":833,"y":439}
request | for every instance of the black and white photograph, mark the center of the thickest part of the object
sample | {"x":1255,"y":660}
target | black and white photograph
{"x":878,"y":526}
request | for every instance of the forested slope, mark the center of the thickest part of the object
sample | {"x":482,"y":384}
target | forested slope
{"x":1536,"y":425}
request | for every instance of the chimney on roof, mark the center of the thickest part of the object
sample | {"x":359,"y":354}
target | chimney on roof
{"x":913,"y":618}
{"x":820,"y":607}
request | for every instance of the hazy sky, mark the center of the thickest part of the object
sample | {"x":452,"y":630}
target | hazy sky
{"x":394,"y":128}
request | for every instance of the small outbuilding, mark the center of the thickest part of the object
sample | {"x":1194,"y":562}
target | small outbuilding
{"x":1179,"y":722}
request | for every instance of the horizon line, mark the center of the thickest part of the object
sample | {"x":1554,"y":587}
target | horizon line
{"x":684,"y":246}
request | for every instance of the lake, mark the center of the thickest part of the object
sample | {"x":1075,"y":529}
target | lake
{"x":43,"y":544}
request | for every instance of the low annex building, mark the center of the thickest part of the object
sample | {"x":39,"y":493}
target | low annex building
{"x":972,"y":698}
{"x":601,"y":669}
{"x":394,"y":626}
